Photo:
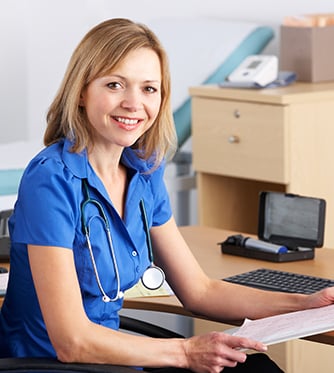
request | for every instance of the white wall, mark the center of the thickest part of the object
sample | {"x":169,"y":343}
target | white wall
{"x":38,"y":36}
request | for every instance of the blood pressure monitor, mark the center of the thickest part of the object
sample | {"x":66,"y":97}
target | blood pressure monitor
{"x":258,"y":69}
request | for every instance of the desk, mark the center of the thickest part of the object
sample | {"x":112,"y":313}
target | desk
{"x":203,"y":243}
{"x":298,"y":356}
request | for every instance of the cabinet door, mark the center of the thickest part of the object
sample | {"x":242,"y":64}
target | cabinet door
{"x":240,"y":139}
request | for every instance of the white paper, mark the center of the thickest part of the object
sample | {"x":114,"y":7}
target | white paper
{"x":3,"y":283}
{"x":281,"y":328}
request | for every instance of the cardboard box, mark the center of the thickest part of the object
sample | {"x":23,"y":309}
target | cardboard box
{"x":308,"y":51}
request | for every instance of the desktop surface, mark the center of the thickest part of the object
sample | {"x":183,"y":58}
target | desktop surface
{"x":203,"y":242}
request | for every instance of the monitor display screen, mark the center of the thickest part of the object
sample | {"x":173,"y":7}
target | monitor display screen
{"x":292,"y":218}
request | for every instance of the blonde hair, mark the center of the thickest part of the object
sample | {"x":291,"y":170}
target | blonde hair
{"x":99,"y":52}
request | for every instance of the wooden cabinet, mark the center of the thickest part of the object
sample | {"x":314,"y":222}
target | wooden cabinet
{"x":246,"y":141}
{"x":240,"y":139}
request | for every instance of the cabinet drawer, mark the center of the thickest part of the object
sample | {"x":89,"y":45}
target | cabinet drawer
{"x":240,"y":139}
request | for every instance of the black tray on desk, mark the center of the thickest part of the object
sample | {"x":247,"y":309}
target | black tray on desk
{"x":285,"y":219}
{"x":290,"y":256}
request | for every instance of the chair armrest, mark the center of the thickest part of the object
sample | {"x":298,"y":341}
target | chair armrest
{"x":47,"y":365}
{"x":146,"y":328}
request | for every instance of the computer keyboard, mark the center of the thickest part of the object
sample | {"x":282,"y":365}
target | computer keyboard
{"x":288,"y":282}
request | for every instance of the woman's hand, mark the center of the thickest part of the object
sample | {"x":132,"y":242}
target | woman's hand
{"x":321,"y":298}
{"x":211,"y":352}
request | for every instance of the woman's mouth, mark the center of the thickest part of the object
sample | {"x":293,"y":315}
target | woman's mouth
{"x":127,"y":123}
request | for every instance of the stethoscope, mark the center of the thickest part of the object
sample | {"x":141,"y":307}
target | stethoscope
{"x":152,"y":278}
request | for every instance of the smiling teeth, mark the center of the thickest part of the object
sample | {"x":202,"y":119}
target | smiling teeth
{"x":128,"y":121}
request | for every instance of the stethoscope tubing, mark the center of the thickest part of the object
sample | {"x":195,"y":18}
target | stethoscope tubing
{"x":105,"y":297}
{"x":153,"y":277}
{"x":148,"y":236}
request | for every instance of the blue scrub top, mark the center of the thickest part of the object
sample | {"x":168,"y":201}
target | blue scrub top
{"x":48,"y":213}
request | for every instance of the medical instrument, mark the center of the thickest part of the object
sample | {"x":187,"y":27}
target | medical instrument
{"x":152,"y":278}
{"x":257,"y":69}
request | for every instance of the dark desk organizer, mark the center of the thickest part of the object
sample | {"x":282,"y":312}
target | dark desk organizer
{"x":285,"y":219}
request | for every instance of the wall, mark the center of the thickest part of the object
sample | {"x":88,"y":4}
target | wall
{"x":38,"y":36}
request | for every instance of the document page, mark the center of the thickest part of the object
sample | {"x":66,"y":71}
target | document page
{"x":281,"y":328}
{"x":3,"y":283}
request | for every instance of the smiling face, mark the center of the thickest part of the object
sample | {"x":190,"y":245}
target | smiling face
{"x":122,"y":106}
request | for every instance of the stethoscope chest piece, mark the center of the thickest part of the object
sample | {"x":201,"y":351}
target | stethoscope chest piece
{"x":153,"y":277}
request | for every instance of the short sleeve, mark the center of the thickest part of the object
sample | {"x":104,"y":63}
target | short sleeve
{"x":46,"y":212}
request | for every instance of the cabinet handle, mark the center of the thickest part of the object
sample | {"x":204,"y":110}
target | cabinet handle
{"x":236,"y":113}
{"x":233,"y":139}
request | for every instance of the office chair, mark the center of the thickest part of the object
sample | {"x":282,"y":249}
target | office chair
{"x":4,"y":235}
{"x":44,"y":365}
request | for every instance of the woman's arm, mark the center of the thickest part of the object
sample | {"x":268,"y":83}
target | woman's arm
{"x":220,"y":300}
{"x":77,"y":339}
{"x":74,"y":337}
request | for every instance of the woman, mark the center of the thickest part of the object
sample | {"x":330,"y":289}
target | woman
{"x":109,"y":132}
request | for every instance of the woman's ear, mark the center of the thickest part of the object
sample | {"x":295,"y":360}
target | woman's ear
{"x":81,"y":101}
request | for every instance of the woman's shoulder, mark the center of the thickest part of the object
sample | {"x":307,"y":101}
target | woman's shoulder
{"x":48,"y":178}
{"x":53,"y":151}
{"x":46,"y":162}
{"x":57,"y":159}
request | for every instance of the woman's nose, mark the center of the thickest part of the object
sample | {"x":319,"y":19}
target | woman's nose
{"x":132,"y":101}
